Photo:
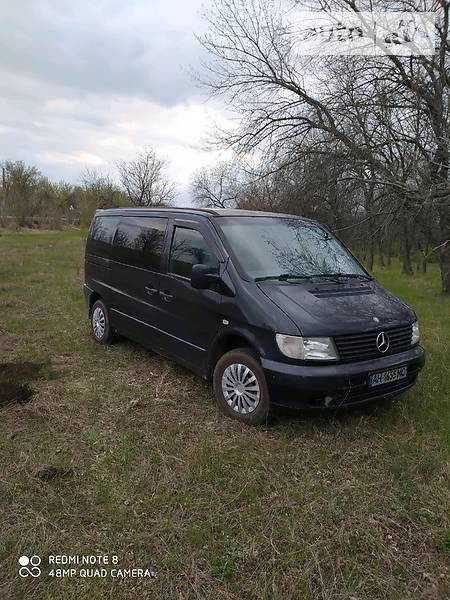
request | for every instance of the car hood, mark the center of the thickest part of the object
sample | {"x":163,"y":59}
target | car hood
{"x":336,"y":308}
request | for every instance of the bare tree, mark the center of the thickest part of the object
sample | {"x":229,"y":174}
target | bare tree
{"x":102,"y":189}
{"x":391,"y":117}
{"x":145,"y":181}
{"x":19,"y":185}
{"x":217,"y":186}
{"x":98,"y":190}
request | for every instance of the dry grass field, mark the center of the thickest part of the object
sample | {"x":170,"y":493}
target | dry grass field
{"x":113,"y":450}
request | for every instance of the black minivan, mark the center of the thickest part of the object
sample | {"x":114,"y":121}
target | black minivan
{"x":272,"y":307}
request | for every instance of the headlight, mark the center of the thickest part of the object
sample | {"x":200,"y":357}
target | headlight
{"x":307,"y":348}
{"x":415,"y":339}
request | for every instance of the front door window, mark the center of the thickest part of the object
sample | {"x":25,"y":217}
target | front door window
{"x":189,"y":248}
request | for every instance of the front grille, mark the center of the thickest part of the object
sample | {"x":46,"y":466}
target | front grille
{"x":363,"y":346}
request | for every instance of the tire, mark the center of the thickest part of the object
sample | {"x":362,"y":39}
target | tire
{"x":240,"y":387}
{"x":100,"y":324}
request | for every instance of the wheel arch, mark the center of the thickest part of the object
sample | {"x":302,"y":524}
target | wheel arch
{"x":227,"y":341}
{"x":93,"y":297}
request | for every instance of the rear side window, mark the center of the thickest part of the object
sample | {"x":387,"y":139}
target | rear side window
{"x":101,"y":235}
{"x":189,"y":248}
{"x":140,"y":241}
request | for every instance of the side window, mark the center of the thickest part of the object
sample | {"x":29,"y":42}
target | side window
{"x":101,"y":235}
{"x":140,"y":241}
{"x":190,"y":248}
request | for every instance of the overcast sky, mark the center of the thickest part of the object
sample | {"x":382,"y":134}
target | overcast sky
{"x":86,"y":83}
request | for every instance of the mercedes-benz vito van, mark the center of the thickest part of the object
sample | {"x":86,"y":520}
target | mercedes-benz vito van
{"x":273,"y":308}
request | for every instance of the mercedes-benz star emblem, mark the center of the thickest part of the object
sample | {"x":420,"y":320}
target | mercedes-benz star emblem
{"x":383,"y":342}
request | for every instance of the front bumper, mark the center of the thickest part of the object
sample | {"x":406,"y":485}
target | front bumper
{"x":338,"y":384}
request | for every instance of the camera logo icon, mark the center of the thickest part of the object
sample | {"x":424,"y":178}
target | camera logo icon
{"x":29,"y":566}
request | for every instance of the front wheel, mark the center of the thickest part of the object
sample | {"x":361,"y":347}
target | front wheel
{"x":240,"y":387}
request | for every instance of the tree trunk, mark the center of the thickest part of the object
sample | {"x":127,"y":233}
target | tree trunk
{"x":441,"y":182}
{"x":424,"y":264}
{"x":389,"y":250}
{"x":370,"y":255}
{"x":423,"y":260}
{"x":370,"y":240}
{"x":381,"y":252}
{"x":406,"y":247}
{"x":444,"y":250}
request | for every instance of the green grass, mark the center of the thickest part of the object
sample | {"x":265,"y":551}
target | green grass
{"x":349,"y":507}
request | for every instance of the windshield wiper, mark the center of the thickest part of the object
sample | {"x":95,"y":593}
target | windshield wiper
{"x":288,"y":276}
{"x":285,"y":277}
{"x":347,"y":276}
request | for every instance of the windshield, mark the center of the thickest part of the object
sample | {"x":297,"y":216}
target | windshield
{"x":273,"y":247}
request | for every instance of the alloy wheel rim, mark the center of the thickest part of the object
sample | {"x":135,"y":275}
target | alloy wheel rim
{"x":98,"y":322}
{"x":240,"y":388}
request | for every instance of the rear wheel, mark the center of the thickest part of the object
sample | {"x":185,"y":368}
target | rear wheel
{"x":240,"y":387}
{"x":100,"y":325}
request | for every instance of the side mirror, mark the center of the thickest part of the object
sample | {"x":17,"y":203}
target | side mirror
{"x":202,"y":277}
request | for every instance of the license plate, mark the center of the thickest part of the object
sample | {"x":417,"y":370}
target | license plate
{"x":387,"y":376}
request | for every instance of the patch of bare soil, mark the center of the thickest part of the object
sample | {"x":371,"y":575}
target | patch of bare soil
{"x":13,"y":393}
{"x":49,"y":472}
{"x":14,"y":377}
{"x":20,"y":371}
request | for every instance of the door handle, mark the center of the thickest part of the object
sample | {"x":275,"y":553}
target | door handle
{"x":150,"y":291}
{"x":168,"y":297}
